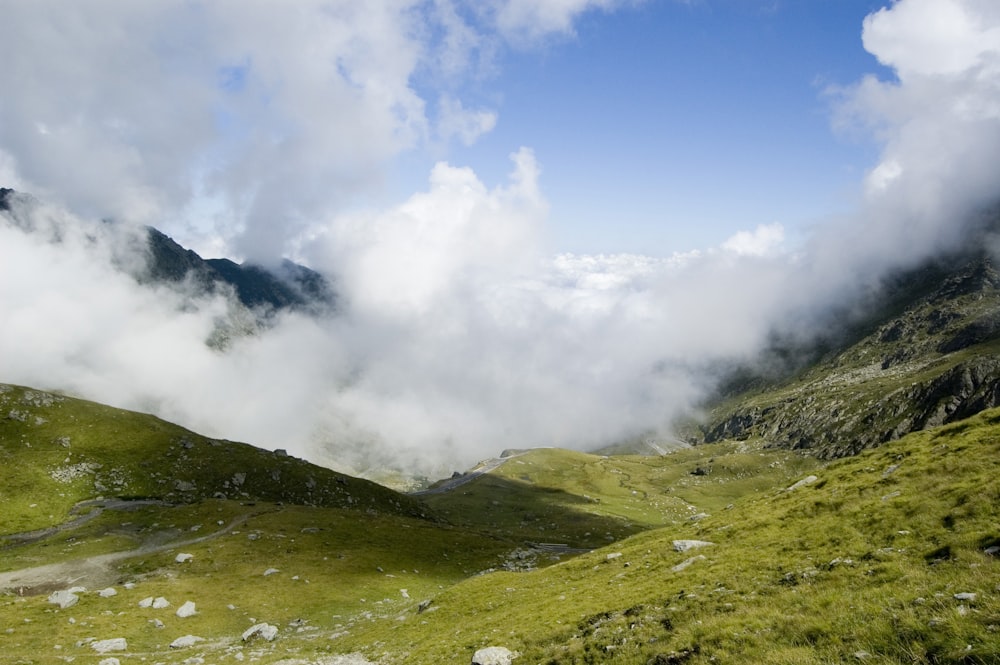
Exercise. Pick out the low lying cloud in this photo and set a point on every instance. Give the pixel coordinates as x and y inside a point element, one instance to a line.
<point>461,334</point>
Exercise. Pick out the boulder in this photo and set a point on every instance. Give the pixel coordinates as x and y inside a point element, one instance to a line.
<point>493,656</point>
<point>183,557</point>
<point>114,644</point>
<point>685,545</point>
<point>808,480</point>
<point>160,602</point>
<point>264,631</point>
<point>186,641</point>
<point>66,597</point>
<point>107,593</point>
<point>186,610</point>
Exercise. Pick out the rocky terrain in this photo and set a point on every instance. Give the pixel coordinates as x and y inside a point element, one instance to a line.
<point>925,356</point>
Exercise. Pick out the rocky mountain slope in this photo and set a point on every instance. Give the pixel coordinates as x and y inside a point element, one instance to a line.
<point>161,260</point>
<point>927,354</point>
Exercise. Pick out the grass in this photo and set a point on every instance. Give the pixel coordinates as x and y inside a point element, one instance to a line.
<point>862,565</point>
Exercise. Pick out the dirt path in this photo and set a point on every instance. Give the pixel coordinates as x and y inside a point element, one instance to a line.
<point>92,571</point>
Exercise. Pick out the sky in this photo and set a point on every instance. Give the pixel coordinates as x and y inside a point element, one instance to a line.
<point>549,222</point>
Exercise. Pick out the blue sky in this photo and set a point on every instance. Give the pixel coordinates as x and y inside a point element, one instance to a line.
<point>372,140</point>
<point>670,126</point>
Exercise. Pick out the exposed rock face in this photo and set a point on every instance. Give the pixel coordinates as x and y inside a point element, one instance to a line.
<point>265,631</point>
<point>930,362</point>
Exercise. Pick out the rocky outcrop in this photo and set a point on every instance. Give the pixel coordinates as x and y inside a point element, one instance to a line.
<point>929,361</point>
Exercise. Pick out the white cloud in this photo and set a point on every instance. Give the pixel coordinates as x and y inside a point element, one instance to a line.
<point>455,121</point>
<point>764,240</point>
<point>938,124</point>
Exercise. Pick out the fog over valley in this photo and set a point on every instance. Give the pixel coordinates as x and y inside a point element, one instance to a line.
<point>461,326</point>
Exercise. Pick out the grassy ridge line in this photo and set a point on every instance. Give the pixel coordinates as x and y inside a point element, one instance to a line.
<point>867,564</point>
<point>63,451</point>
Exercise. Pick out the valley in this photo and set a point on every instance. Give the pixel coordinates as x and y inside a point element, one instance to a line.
<point>730,550</point>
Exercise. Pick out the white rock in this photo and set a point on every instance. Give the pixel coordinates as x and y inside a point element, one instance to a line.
<point>263,630</point>
<point>971,597</point>
<point>183,557</point>
<point>114,644</point>
<point>160,602</point>
<point>64,598</point>
<point>405,594</point>
<point>146,602</point>
<point>613,555</point>
<point>687,562</point>
<point>107,593</point>
<point>109,661</point>
<point>271,571</point>
<point>493,656</point>
<point>156,623</point>
<point>808,480</point>
<point>186,610</point>
<point>186,641</point>
<point>685,545</point>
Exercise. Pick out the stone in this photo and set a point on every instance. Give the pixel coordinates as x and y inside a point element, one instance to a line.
<point>186,641</point>
<point>970,597</point>
<point>183,557</point>
<point>808,480</point>
<point>186,610</point>
<point>265,631</point>
<point>687,562</point>
<point>109,661</point>
<point>66,597</point>
<point>160,602</point>
<point>107,593</point>
<point>114,644</point>
<point>685,545</point>
<point>493,656</point>
<point>146,602</point>
<point>271,571</point>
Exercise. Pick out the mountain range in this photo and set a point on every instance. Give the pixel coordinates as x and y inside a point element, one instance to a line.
<point>835,501</point>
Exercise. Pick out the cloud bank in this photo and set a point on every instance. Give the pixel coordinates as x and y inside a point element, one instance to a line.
<point>461,335</point>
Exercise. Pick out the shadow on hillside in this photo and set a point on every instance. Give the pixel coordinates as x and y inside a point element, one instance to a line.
<point>526,512</point>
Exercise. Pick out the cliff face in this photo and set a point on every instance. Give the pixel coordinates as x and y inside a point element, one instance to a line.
<point>931,356</point>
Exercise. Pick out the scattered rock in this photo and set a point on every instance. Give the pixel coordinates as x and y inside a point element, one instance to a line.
<point>109,661</point>
<point>107,593</point>
<point>613,555</point>
<point>405,594</point>
<point>104,646</point>
<point>493,656</point>
<point>186,610</point>
<point>424,604</point>
<point>970,597</point>
<point>186,641</point>
<point>156,623</point>
<point>271,571</point>
<point>146,602</point>
<point>263,630</point>
<point>66,597</point>
<point>698,517</point>
<point>160,603</point>
<point>808,480</point>
<point>183,557</point>
<point>685,545</point>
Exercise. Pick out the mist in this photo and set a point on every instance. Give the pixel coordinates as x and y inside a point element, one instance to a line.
<point>460,332</point>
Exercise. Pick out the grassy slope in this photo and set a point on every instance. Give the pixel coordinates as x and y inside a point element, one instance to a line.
<point>841,567</point>
<point>867,560</point>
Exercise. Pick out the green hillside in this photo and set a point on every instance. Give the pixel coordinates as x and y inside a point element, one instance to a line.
<point>887,557</point>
